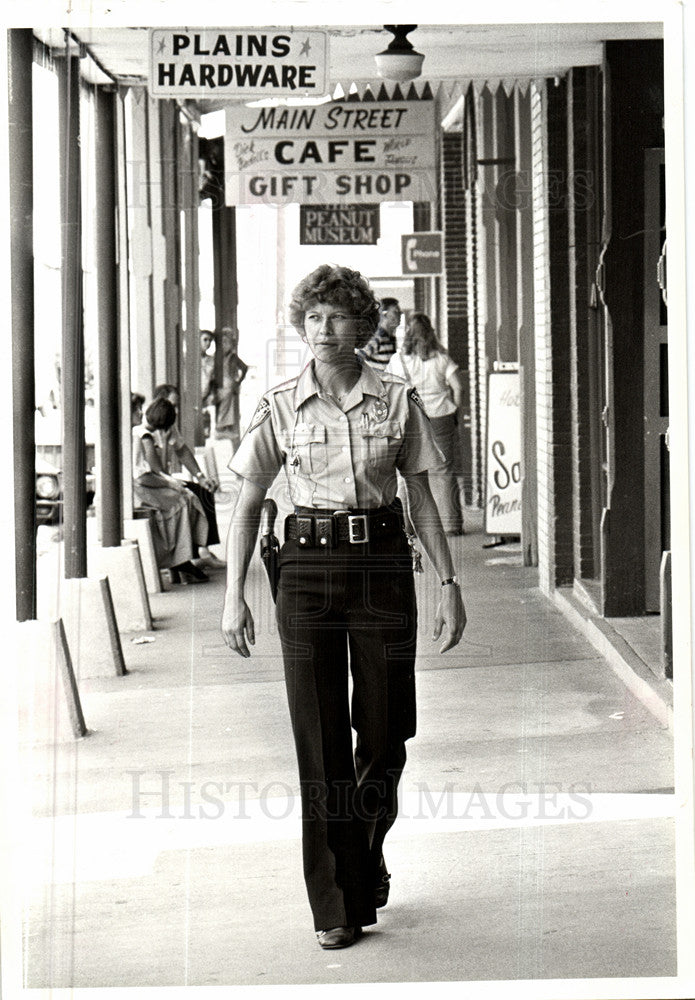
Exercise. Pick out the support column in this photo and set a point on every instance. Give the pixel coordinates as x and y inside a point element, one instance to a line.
<point>123,309</point>
<point>422,287</point>
<point>224,251</point>
<point>142,339</point>
<point>169,147</point>
<point>156,169</point>
<point>456,310</point>
<point>525,328</point>
<point>74,465</point>
<point>109,465</point>
<point>503,205</point>
<point>586,360</point>
<point>558,185</point>
<point>20,42</point>
<point>634,123</point>
<point>190,417</point>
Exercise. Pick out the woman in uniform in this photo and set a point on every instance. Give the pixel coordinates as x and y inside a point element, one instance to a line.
<point>345,597</point>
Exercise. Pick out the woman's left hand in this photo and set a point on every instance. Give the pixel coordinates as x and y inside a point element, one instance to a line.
<point>452,614</point>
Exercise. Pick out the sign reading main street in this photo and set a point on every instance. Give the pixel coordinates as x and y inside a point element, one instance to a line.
<point>244,62</point>
<point>334,153</point>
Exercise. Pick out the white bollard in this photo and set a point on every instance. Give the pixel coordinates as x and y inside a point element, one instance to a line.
<point>123,566</point>
<point>90,623</point>
<point>139,529</point>
<point>49,699</point>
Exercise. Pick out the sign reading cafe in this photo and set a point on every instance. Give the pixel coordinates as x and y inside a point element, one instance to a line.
<point>248,62</point>
<point>334,153</point>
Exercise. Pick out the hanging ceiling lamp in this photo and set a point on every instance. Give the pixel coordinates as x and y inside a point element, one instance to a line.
<point>400,61</point>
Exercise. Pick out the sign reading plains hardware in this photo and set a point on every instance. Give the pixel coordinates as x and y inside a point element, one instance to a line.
<point>246,62</point>
<point>334,153</point>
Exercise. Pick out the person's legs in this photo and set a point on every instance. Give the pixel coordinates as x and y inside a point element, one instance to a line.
<point>383,634</point>
<point>314,645</point>
<point>443,481</point>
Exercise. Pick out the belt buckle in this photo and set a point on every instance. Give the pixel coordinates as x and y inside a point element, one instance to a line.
<point>358,529</point>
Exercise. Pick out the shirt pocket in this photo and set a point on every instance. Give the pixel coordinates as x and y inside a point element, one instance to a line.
<point>307,443</point>
<point>382,441</point>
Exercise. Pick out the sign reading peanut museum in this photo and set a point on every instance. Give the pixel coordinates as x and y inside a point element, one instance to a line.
<point>349,225</point>
<point>334,153</point>
<point>239,62</point>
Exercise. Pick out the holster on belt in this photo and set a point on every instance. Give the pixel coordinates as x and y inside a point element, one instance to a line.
<point>270,546</point>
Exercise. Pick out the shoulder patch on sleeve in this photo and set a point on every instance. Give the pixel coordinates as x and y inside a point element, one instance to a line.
<point>412,393</point>
<point>262,412</point>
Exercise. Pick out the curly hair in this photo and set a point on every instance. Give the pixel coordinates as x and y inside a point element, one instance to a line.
<point>420,337</point>
<point>160,414</point>
<point>165,389</point>
<point>338,286</point>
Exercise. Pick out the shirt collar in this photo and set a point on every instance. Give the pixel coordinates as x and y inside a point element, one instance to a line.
<point>368,384</point>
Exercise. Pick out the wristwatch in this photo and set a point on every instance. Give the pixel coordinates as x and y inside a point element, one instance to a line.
<point>449,580</point>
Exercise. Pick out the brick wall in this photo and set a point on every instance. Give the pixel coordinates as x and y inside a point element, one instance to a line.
<point>551,320</point>
<point>455,238</point>
<point>587,389</point>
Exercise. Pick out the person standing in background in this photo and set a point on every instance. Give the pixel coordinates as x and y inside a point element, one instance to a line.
<point>425,364</point>
<point>233,374</point>
<point>381,347</point>
<point>208,383</point>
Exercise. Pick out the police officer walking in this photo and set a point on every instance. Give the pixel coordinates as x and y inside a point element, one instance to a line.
<point>346,598</point>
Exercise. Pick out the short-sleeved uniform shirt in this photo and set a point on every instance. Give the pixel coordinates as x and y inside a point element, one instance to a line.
<point>338,456</point>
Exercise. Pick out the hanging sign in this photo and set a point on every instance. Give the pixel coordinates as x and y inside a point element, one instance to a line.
<point>503,493</point>
<point>335,153</point>
<point>239,62</point>
<point>422,253</point>
<point>349,225</point>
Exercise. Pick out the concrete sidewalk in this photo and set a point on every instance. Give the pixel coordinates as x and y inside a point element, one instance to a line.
<point>164,848</point>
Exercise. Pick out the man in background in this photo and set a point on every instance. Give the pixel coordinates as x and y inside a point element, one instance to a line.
<point>381,347</point>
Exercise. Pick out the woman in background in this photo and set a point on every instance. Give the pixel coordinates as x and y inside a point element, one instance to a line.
<point>424,363</point>
<point>179,522</point>
<point>173,448</point>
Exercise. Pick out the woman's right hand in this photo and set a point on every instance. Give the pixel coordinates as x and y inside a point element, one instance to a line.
<point>237,626</point>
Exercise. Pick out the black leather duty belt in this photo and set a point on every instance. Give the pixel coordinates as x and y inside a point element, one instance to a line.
<point>329,528</point>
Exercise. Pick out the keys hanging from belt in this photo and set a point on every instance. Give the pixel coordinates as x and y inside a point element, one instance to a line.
<point>415,554</point>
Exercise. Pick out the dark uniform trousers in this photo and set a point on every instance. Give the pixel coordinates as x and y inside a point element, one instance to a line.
<point>348,607</point>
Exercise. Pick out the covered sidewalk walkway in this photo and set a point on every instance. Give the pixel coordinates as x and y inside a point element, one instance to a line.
<point>164,848</point>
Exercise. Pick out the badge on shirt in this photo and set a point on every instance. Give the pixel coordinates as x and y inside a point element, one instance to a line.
<point>262,411</point>
<point>412,393</point>
<point>380,410</point>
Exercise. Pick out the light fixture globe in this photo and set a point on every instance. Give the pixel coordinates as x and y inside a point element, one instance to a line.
<point>400,61</point>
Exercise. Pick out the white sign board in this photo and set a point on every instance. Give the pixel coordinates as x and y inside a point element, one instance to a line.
<point>237,62</point>
<point>503,455</point>
<point>334,153</point>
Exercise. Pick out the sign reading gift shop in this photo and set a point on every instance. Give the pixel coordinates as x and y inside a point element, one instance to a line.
<point>503,493</point>
<point>334,153</point>
<point>348,225</point>
<point>243,62</point>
